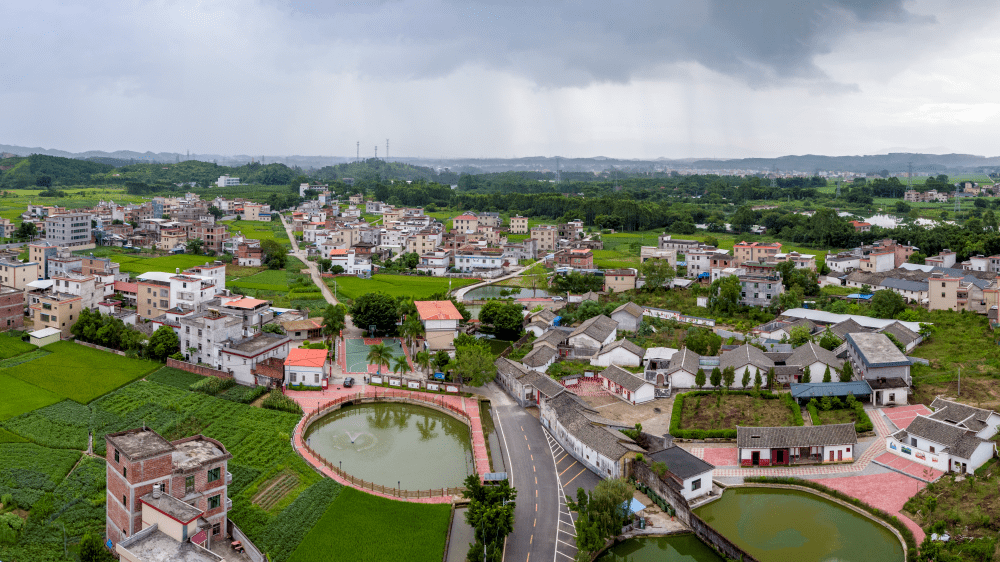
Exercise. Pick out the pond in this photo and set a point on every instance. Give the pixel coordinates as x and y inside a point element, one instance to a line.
<point>498,291</point>
<point>419,448</point>
<point>777,524</point>
<point>673,548</point>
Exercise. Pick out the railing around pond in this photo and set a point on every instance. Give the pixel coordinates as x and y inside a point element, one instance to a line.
<point>386,395</point>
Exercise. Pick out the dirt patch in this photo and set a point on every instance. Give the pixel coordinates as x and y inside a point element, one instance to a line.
<point>726,411</point>
<point>978,392</point>
<point>276,488</point>
<point>653,422</point>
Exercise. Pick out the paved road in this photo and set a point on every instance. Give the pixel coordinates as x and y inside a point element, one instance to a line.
<point>531,470</point>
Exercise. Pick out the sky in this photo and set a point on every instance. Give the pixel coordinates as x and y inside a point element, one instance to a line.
<point>480,78</point>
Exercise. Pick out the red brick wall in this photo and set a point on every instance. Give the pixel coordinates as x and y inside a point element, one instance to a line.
<point>11,311</point>
<point>197,369</point>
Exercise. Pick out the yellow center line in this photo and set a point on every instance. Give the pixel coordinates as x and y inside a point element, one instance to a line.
<point>529,446</point>
<point>531,539</point>
<point>525,437</point>
<point>532,457</point>
<point>533,469</point>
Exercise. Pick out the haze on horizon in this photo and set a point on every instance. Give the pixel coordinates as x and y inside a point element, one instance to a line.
<point>448,79</point>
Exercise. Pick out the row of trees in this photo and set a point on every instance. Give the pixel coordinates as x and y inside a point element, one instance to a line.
<point>108,331</point>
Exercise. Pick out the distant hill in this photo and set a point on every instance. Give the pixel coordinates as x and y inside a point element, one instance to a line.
<point>29,171</point>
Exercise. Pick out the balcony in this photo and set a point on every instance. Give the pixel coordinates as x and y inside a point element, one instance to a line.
<point>229,478</point>
<point>229,504</point>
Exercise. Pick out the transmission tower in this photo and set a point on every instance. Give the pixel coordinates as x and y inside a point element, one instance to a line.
<point>774,178</point>
<point>557,170</point>
<point>386,150</point>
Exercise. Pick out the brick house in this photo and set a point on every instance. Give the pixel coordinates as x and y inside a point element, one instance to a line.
<point>11,309</point>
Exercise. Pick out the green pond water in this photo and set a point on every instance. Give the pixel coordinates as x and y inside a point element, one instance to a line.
<point>674,548</point>
<point>418,447</point>
<point>788,525</point>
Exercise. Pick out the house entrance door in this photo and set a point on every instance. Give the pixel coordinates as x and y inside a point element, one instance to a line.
<point>780,458</point>
<point>756,459</point>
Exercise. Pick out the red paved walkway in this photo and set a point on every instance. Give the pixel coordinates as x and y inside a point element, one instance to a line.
<point>720,457</point>
<point>311,400</point>
<point>902,416</point>
<point>914,469</point>
<point>887,492</point>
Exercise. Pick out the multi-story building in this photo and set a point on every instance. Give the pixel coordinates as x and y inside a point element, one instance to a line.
<point>70,229</point>
<point>163,496</point>
<point>436,263</point>
<point>63,263</point>
<point>254,312</point>
<point>943,292</point>
<point>518,225</point>
<point>87,287</point>
<point>171,238</point>
<point>249,256</point>
<point>801,261</point>
<point>619,280</point>
<point>18,274</point>
<point>860,226</point>
<point>876,262</point>
<point>349,260</point>
<point>945,258</point>
<point>11,308</point>
<point>440,320</point>
<point>56,310</point>
<point>239,357</point>
<point>491,219</point>
<point>40,252</point>
<point>755,251</point>
<point>152,297</point>
<point>423,241</point>
<point>581,258</point>
<point>547,237</point>
<point>666,242</point>
<point>760,289</point>
<point>647,253</point>
<point>213,236</point>
<point>699,262</point>
<point>465,223</point>
<point>479,261</point>
<point>7,228</point>
<point>873,356</point>
<point>226,181</point>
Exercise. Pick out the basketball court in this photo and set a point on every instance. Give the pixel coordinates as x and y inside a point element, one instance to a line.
<point>357,354</point>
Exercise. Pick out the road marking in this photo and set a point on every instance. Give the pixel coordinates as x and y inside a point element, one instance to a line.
<point>536,492</point>
<point>532,457</point>
<point>564,554</point>
<point>529,444</point>
<point>584,469</point>
<point>534,522</point>
<point>567,468</point>
<point>531,539</point>
<point>563,457</point>
<point>510,475</point>
<point>536,508</point>
<point>522,429</point>
<point>525,437</point>
<point>567,532</point>
<point>533,469</point>
<point>566,543</point>
<point>536,480</point>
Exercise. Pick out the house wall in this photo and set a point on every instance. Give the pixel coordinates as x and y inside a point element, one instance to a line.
<point>626,321</point>
<point>991,427</point>
<point>899,396</point>
<point>311,376</point>
<point>936,461</point>
<point>618,356</point>
<point>705,479</point>
<point>942,293</point>
<point>682,379</point>
<point>603,466</point>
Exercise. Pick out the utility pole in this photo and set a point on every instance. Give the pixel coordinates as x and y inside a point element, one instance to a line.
<point>959,381</point>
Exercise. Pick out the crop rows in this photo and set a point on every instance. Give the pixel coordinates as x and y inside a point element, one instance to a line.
<point>27,470</point>
<point>286,531</point>
<point>61,426</point>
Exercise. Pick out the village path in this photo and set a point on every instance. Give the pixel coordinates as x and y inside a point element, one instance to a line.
<point>350,330</point>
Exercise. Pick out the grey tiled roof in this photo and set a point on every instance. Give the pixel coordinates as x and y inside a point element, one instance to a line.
<point>511,368</point>
<point>624,344</point>
<point>904,284</point>
<point>744,355</point>
<point>684,359</point>
<point>809,353</point>
<point>882,383</point>
<point>953,412</point>
<point>552,338</point>
<point>598,328</point>
<point>547,386</point>
<point>623,378</point>
<point>848,326</point>
<point>540,355</point>
<point>544,315</point>
<point>902,333</point>
<point>961,442</point>
<point>572,416</point>
<point>680,462</point>
<point>630,308</point>
<point>804,436</point>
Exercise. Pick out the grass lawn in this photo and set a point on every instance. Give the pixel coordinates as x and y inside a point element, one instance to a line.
<point>257,230</point>
<point>135,263</point>
<point>350,287</point>
<point>11,346</point>
<point>959,341</point>
<point>80,373</point>
<point>726,411</point>
<point>843,415</point>
<point>19,397</point>
<point>404,531</point>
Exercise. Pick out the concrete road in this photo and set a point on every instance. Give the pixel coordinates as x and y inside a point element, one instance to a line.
<point>531,470</point>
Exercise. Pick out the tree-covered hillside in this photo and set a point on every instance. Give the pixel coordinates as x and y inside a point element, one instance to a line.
<point>44,171</point>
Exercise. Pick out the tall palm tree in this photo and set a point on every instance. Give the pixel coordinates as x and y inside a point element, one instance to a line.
<point>411,329</point>
<point>423,360</point>
<point>380,355</point>
<point>399,365</point>
<point>334,321</point>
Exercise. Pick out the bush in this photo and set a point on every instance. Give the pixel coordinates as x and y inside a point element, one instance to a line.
<point>278,401</point>
<point>212,385</point>
<point>813,412</point>
<point>793,407</point>
<point>911,543</point>
<point>304,387</point>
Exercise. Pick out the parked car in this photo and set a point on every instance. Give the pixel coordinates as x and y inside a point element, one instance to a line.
<point>348,382</point>
<point>558,299</point>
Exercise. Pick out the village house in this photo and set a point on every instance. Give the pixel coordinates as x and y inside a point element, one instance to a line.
<point>576,258</point>
<point>540,357</point>
<point>751,252</point>
<point>593,334</point>
<point>782,446</point>
<point>874,356</point>
<point>440,320</point>
<point>527,386</point>
<point>465,223</point>
<point>249,256</point>
<point>166,500</point>
<point>690,476</point>
<point>307,367</point>
<point>620,280</point>
<point>239,357</point>
<point>518,225</point>
<point>303,329</point>
<point>745,358</point>
<point>984,422</point>
<point>815,359</point>
<point>941,445</point>
<point>628,316</point>
<point>437,263</point>
<point>647,253</point>
<point>593,441</point>
<point>804,392</point>
<point>626,386</point>
<point>546,236</point>
<point>11,308</point>
<point>620,352</point>
<point>760,289</point>
<point>18,274</point>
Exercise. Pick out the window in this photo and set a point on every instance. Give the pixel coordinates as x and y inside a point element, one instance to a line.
<point>696,484</point>
<point>213,502</point>
<point>116,456</point>
<point>213,474</point>
<point>124,500</point>
<point>932,448</point>
<point>913,441</point>
<point>216,529</point>
<point>189,484</point>
<point>124,472</point>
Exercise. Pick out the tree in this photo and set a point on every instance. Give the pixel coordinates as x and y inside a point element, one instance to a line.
<point>601,514</point>
<point>729,376</point>
<point>195,245</point>
<point>505,317</point>
<point>699,378</point>
<point>91,549</point>
<point>826,375</point>
<point>379,355</point>
<point>337,269</point>
<point>902,207</point>
<point>26,231</point>
<point>658,273</point>
<point>746,378</point>
<point>716,377</point>
<point>275,254</point>
<point>43,181</point>
<point>441,359</point>
<point>757,381</point>
<point>806,376</point>
<point>411,329</point>
<point>800,335</point>
<point>491,515</point>
<point>273,329</point>
<point>399,365</point>
<point>744,219</point>
<point>847,372</point>
<point>770,378</point>
<point>163,344</point>
<point>474,363</point>
<point>215,212</point>
<point>411,260</point>
<point>829,341</point>
<point>423,360</point>
<point>887,304</point>
<point>725,298</point>
<point>334,322</point>
<point>702,341</point>
<point>375,309</point>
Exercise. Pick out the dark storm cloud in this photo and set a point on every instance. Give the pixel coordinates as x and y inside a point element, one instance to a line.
<point>575,43</point>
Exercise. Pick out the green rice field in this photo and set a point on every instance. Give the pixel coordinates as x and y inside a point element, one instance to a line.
<point>350,287</point>
<point>259,230</point>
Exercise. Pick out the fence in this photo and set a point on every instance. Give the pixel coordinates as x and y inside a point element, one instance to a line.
<point>248,547</point>
<point>388,395</point>
<point>510,348</point>
<point>95,346</point>
<point>703,530</point>
<point>197,369</point>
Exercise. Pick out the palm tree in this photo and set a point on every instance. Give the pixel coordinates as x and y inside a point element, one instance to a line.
<point>423,360</point>
<point>399,365</point>
<point>333,322</point>
<point>380,355</point>
<point>411,329</point>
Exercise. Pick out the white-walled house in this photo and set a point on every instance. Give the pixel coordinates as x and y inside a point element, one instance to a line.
<point>983,422</point>
<point>593,441</point>
<point>348,259</point>
<point>874,356</point>
<point>241,356</point>
<point>815,359</point>
<point>782,446</point>
<point>744,358</point>
<point>941,445</point>
<point>692,475</point>
<point>593,334</point>
<point>306,366</point>
<point>620,352</point>
<point>540,357</point>
<point>628,316</point>
<point>440,320</point>
<point>627,386</point>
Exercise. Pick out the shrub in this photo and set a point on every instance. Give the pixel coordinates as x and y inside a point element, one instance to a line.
<point>813,412</point>
<point>793,407</point>
<point>278,401</point>
<point>212,385</point>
